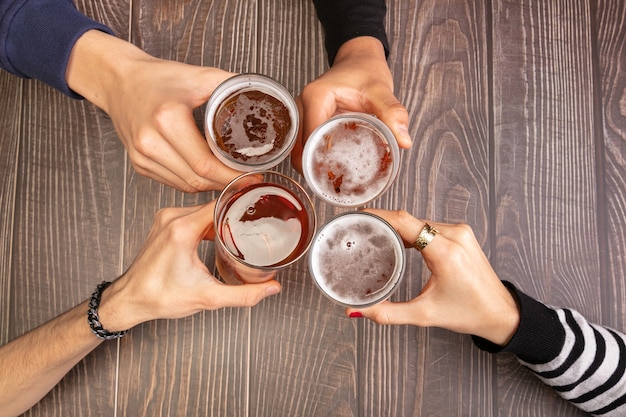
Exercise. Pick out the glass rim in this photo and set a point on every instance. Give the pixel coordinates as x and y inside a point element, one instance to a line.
<point>251,81</point>
<point>381,129</point>
<point>392,284</point>
<point>307,201</point>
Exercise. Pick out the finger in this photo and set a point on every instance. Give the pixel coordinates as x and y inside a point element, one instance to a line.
<point>160,174</point>
<point>153,156</point>
<point>210,233</point>
<point>316,109</point>
<point>200,219</point>
<point>194,161</point>
<point>387,313</point>
<point>408,226</point>
<point>391,112</point>
<point>296,152</point>
<point>246,295</point>
<point>189,224</point>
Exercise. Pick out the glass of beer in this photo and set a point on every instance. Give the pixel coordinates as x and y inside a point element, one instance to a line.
<point>251,122</point>
<point>357,259</point>
<point>264,222</point>
<point>351,159</point>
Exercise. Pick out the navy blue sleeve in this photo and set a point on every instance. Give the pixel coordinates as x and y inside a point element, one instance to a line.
<point>347,19</point>
<point>37,37</point>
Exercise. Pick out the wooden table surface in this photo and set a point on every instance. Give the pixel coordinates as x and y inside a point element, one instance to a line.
<point>518,113</point>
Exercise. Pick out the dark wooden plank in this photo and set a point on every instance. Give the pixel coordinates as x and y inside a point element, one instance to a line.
<point>67,227</point>
<point>545,183</point>
<point>302,346</point>
<point>199,365</point>
<point>115,14</point>
<point>439,61</point>
<point>611,88</point>
<point>69,196</point>
<point>10,116</point>
<point>525,123</point>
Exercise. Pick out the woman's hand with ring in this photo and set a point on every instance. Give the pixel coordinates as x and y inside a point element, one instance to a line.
<point>463,293</point>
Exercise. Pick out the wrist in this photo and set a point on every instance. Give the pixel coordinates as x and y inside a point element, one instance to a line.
<point>115,309</point>
<point>366,47</point>
<point>93,317</point>
<point>92,73</point>
<point>505,319</point>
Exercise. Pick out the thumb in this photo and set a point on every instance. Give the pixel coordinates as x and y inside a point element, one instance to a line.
<point>316,110</point>
<point>246,295</point>
<point>396,117</point>
<point>388,312</point>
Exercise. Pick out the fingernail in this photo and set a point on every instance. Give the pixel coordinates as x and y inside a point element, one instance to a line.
<point>404,131</point>
<point>272,290</point>
<point>355,315</point>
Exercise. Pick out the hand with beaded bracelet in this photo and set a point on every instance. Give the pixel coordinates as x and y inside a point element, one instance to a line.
<point>166,281</point>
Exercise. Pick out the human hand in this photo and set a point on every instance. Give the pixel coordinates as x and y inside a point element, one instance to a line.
<point>463,294</point>
<point>168,279</point>
<point>151,103</point>
<point>360,81</point>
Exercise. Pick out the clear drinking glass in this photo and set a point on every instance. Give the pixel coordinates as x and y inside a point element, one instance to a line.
<point>351,159</point>
<point>251,122</point>
<point>264,222</point>
<point>357,259</point>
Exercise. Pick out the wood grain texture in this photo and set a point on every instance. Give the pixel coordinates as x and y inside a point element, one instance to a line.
<point>611,107</point>
<point>67,228</point>
<point>302,347</point>
<point>197,366</point>
<point>545,182</point>
<point>439,60</point>
<point>11,107</point>
<point>518,114</point>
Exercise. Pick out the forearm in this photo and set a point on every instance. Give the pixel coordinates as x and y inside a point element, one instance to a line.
<point>37,36</point>
<point>35,362</point>
<point>93,74</point>
<point>584,362</point>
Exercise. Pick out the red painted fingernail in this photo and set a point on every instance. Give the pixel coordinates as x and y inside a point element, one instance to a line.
<point>355,315</point>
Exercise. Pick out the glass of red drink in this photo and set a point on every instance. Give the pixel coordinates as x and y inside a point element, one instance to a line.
<point>357,259</point>
<point>251,122</point>
<point>351,159</point>
<point>264,222</point>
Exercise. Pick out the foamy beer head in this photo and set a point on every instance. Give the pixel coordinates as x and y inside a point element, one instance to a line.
<point>351,159</point>
<point>357,259</point>
<point>251,122</point>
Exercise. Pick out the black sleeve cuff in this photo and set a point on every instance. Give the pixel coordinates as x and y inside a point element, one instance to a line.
<point>348,19</point>
<point>539,337</point>
<point>38,37</point>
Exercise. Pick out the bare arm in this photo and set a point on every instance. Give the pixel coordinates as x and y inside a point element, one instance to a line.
<point>54,347</point>
<point>167,280</point>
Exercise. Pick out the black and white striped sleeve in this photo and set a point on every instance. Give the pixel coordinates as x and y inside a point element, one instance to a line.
<point>585,363</point>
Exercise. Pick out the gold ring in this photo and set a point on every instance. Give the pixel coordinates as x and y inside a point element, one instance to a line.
<point>425,237</point>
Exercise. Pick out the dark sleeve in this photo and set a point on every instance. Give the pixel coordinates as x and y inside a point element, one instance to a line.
<point>540,335</point>
<point>37,36</point>
<point>347,19</point>
<point>585,363</point>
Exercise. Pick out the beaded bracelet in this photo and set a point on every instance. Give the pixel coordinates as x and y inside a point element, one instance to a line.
<point>94,320</point>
